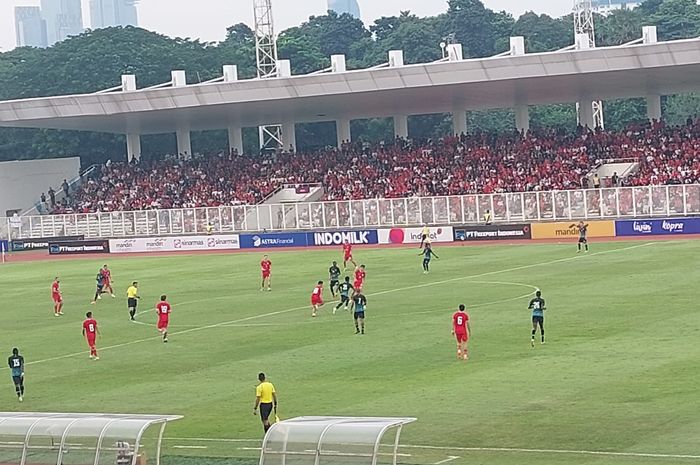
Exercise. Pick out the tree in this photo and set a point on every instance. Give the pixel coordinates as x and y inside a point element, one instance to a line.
<point>543,33</point>
<point>677,19</point>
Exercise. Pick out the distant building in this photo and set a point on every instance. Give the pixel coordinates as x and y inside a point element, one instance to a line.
<point>345,6</point>
<point>605,7</point>
<point>63,18</point>
<point>107,13</point>
<point>29,27</point>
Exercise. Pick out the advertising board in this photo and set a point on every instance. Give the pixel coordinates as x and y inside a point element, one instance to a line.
<point>413,235</point>
<point>365,237</point>
<point>78,247</point>
<point>175,244</point>
<point>265,241</point>
<point>40,242</point>
<point>665,226</point>
<point>495,232</point>
<point>568,229</point>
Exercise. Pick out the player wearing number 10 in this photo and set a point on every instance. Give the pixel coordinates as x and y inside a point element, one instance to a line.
<point>90,331</point>
<point>163,310</point>
<point>461,330</point>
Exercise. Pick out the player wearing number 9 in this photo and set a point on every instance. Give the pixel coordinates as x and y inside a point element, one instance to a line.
<point>90,332</point>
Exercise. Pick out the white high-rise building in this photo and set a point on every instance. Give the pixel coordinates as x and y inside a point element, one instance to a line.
<point>605,7</point>
<point>107,13</point>
<point>63,18</point>
<point>29,27</point>
<point>345,6</point>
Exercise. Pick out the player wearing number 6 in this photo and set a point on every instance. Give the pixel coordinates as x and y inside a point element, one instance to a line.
<point>90,332</point>
<point>163,310</point>
<point>461,330</point>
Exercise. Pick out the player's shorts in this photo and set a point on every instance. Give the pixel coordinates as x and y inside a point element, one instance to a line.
<point>100,287</point>
<point>357,285</point>
<point>163,323</point>
<point>423,237</point>
<point>347,257</point>
<point>265,411</point>
<point>131,303</point>
<point>344,299</point>
<point>582,240</point>
<point>334,283</point>
<point>265,274</point>
<point>107,282</point>
<point>360,315</point>
<point>57,298</point>
<point>461,337</point>
<point>18,379</point>
<point>316,301</point>
<point>538,320</point>
<point>91,340</point>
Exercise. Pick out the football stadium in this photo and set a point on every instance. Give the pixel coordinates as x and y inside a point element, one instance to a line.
<point>467,237</point>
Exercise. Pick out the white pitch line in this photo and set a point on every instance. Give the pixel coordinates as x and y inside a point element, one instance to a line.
<point>555,451</point>
<point>448,459</point>
<point>189,447</point>
<point>305,307</point>
<point>482,449</point>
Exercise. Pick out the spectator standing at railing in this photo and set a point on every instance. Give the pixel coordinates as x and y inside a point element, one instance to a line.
<point>52,197</point>
<point>66,188</point>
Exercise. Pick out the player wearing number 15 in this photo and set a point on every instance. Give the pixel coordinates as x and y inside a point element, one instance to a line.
<point>461,330</point>
<point>163,310</point>
<point>16,363</point>
<point>90,332</point>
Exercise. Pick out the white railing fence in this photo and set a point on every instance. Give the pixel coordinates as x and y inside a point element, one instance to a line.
<point>610,203</point>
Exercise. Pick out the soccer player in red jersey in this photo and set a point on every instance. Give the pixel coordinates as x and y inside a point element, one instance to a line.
<point>317,298</point>
<point>265,267</point>
<point>90,332</point>
<point>57,298</point>
<point>347,254</point>
<point>461,330</point>
<point>359,278</point>
<point>163,310</point>
<point>107,275</point>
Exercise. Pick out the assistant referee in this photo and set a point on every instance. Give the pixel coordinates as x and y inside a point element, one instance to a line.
<point>266,399</point>
<point>132,296</point>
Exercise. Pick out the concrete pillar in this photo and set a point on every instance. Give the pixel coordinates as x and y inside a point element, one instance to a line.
<point>517,46</point>
<point>235,139</point>
<point>522,118</point>
<point>178,78</point>
<point>401,126</point>
<point>454,52</point>
<point>338,64</point>
<point>342,127</point>
<point>133,147</point>
<point>654,107</point>
<point>128,82</point>
<point>585,114</point>
<point>649,35</point>
<point>184,144</point>
<point>459,122</point>
<point>395,58</point>
<point>230,73</point>
<point>284,68</point>
<point>289,136</point>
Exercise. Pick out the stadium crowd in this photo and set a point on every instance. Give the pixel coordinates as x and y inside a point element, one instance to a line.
<point>539,161</point>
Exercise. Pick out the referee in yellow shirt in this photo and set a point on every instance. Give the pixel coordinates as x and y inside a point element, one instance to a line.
<point>266,399</point>
<point>132,296</point>
<point>424,236</point>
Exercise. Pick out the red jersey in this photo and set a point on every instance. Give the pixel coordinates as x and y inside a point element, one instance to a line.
<point>54,288</point>
<point>317,293</point>
<point>347,249</point>
<point>107,275</point>
<point>163,309</point>
<point>360,275</point>
<point>459,322</point>
<point>266,266</point>
<point>90,327</point>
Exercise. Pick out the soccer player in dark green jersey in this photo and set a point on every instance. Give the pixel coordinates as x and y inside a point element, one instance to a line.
<point>334,276</point>
<point>538,307</point>
<point>344,291</point>
<point>427,254</point>
<point>582,235</point>
<point>16,364</point>
<point>359,303</point>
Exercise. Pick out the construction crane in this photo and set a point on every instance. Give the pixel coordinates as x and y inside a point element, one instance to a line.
<point>266,56</point>
<point>583,24</point>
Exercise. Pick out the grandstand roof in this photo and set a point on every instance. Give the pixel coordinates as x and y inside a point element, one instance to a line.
<point>497,82</point>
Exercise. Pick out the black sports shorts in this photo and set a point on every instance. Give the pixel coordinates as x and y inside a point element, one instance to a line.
<point>265,411</point>
<point>132,302</point>
<point>538,320</point>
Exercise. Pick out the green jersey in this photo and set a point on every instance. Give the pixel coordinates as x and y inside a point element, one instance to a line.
<point>16,363</point>
<point>334,273</point>
<point>345,288</point>
<point>537,306</point>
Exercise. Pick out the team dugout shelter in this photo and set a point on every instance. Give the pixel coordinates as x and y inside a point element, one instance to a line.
<point>321,440</point>
<point>81,438</point>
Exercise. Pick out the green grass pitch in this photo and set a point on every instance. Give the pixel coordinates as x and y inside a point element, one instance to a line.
<point>619,372</point>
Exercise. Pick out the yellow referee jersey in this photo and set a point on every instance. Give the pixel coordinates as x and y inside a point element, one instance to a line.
<point>265,390</point>
<point>132,292</point>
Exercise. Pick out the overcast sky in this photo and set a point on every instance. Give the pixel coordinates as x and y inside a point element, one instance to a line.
<point>208,19</point>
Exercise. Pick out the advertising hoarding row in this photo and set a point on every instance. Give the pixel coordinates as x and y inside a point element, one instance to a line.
<point>661,227</point>
<point>175,244</point>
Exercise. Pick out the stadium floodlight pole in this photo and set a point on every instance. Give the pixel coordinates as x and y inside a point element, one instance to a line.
<point>584,24</point>
<point>266,56</point>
